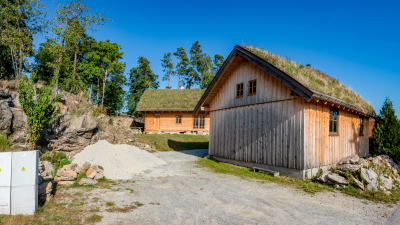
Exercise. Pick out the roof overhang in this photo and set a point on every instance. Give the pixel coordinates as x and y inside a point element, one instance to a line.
<point>283,77</point>
<point>238,51</point>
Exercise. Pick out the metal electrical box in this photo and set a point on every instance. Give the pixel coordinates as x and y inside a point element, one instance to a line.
<point>24,182</point>
<point>19,182</point>
<point>5,183</point>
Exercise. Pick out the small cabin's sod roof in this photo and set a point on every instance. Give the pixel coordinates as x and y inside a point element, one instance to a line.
<point>169,100</point>
<point>306,81</point>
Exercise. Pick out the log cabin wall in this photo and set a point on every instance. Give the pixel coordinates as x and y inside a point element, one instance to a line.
<point>324,149</point>
<point>264,128</point>
<point>167,122</point>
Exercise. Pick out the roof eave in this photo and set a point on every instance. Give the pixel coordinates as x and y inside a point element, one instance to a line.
<point>329,98</point>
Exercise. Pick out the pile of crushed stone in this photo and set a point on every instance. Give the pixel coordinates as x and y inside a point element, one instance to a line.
<point>118,161</point>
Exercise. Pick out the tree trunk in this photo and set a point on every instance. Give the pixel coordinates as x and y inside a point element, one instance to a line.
<point>104,88</point>
<point>76,50</point>
<point>168,79</point>
<point>98,88</point>
<point>90,93</point>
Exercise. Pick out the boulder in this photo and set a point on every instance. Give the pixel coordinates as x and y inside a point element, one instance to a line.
<point>386,183</point>
<point>98,168</point>
<point>66,183</point>
<point>47,170</point>
<point>78,169</point>
<point>368,176</point>
<point>373,185</point>
<point>45,188</point>
<point>324,176</point>
<point>65,175</point>
<point>86,165</point>
<point>99,175</point>
<point>91,173</point>
<point>87,181</point>
<point>341,173</point>
<point>358,183</point>
<point>6,117</point>
<point>337,179</point>
<point>75,132</point>
<point>353,159</point>
<point>70,167</point>
<point>349,167</point>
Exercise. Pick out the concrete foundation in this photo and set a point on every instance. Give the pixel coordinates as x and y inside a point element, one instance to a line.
<point>295,173</point>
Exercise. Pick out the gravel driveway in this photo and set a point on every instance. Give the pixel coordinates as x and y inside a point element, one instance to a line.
<point>182,193</point>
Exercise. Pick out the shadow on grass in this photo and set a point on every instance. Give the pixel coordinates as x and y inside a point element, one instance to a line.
<point>180,145</point>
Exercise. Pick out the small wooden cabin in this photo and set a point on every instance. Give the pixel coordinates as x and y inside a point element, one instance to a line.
<point>171,111</point>
<point>262,116</point>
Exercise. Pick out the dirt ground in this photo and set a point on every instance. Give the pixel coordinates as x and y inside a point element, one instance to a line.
<point>182,193</point>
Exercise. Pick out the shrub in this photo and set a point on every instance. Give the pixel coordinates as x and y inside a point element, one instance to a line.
<point>4,144</point>
<point>386,133</point>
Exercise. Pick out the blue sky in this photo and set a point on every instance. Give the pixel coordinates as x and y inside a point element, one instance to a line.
<point>356,42</point>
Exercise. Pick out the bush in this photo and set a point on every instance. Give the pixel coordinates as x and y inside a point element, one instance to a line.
<point>386,133</point>
<point>58,159</point>
<point>4,144</point>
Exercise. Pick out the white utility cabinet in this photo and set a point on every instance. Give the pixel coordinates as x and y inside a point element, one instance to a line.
<point>24,182</point>
<point>5,182</point>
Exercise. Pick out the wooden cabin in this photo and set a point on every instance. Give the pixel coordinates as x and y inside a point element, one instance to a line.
<point>263,117</point>
<point>171,111</point>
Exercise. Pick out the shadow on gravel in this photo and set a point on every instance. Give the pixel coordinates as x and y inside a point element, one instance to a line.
<point>195,152</point>
<point>395,218</point>
<point>180,145</point>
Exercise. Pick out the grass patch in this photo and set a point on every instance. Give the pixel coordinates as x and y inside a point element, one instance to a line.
<point>4,144</point>
<point>305,185</point>
<point>53,213</point>
<point>312,78</point>
<point>93,218</point>
<point>110,203</point>
<point>174,142</point>
<point>170,99</point>
<point>138,204</point>
<point>125,209</point>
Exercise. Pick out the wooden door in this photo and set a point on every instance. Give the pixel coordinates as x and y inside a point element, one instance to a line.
<point>157,123</point>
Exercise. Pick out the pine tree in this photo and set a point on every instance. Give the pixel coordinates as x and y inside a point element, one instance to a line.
<point>218,61</point>
<point>386,133</point>
<point>141,78</point>
<point>166,62</point>
<point>114,93</point>
<point>195,62</point>
<point>181,66</point>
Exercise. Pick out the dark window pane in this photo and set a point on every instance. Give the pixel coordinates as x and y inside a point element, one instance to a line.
<point>334,126</point>
<point>254,89</point>
<point>241,86</point>
<point>237,93</point>
<point>238,87</point>
<point>251,85</point>
<point>255,83</point>
<point>330,126</point>
<point>335,116</point>
<point>241,92</point>
<point>331,115</point>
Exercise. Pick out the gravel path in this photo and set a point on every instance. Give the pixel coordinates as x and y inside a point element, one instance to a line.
<point>181,193</point>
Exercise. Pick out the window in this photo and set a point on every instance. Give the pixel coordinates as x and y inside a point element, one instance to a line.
<point>333,120</point>
<point>198,124</point>
<point>360,126</point>
<point>252,87</point>
<point>239,90</point>
<point>178,119</point>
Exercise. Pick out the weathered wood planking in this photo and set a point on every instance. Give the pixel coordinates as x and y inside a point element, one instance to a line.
<point>328,149</point>
<point>275,128</point>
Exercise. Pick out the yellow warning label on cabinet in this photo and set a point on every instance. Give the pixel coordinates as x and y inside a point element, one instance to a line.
<point>23,168</point>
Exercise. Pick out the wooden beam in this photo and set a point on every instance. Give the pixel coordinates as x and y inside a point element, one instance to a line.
<point>317,100</point>
<point>205,108</point>
<point>326,103</point>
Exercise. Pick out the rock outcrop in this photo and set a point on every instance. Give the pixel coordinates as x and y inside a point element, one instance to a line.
<point>379,173</point>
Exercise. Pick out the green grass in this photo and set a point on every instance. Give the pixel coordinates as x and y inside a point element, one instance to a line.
<point>4,144</point>
<point>312,78</point>
<point>305,185</point>
<point>170,99</point>
<point>174,142</point>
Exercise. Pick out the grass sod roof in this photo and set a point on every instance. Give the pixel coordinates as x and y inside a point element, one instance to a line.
<point>312,78</point>
<point>169,99</point>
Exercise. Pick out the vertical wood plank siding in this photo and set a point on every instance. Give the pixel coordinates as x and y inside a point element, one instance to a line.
<point>274,128</point>
<point>324,149</point>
